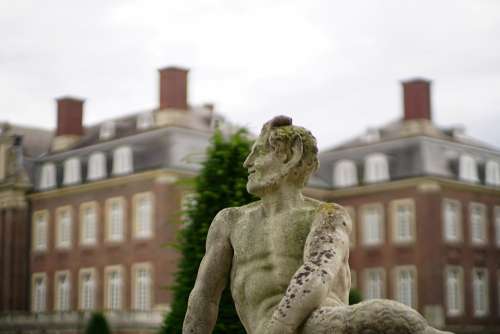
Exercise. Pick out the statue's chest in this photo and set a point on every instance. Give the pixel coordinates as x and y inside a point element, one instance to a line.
<point>282,235</point>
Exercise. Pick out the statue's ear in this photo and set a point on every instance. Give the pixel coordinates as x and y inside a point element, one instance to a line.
<point>295,153</point>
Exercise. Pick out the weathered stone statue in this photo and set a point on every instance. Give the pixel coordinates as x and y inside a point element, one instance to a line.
<point>286,256</point>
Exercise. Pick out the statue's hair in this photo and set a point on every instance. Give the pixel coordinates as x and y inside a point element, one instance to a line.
<point>280,134</point>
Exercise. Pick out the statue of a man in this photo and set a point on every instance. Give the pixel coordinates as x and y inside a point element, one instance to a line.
<point>286,256</point>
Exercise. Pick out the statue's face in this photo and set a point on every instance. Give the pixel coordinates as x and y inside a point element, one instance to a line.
<point>264,169</point>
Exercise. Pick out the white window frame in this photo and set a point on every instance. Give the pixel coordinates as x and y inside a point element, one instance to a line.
<point>345,174</point>
<point>142,300</point>
<point>448,226</point>
<point>62,294</point>
<point>410,272</point>
<point>467,169</point>
<point>398,237</point>
<point>114,290</point>
<point>107,130</point>
<point>87,293</point>
<point>116,220</point>
<point>476,295</point>
<point>143,220</point>
<point>88,228</point>
<point>39,296</point>
<point>72,171</point>
<point>61,241</point>
<point>369,288</point>
<point>376,168</point>
<point>123,161</point>
<point>145,121</point>
<point>47,176</point>
<point>458,287</point>
<point>96,166</point>
<point>478,224</point>
<point>368,229</point>
<point>492,171</point>
<point>40,230</point>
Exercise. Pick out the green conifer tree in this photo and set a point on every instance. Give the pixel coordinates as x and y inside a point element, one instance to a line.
<point>97,324</point>
<point>220,184</point>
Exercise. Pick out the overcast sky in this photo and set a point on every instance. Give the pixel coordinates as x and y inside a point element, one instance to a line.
<point>334,66</point>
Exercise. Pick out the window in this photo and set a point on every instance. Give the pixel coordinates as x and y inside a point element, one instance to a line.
<point>96,166</point>
<point>72,172</point>
<point>374,283</point>
<point>122,160</point>
<point>352,237</point>
<point>87,289</point>
<point>88,223</point>
<point>143,215</point>
<point>376,168</point>
<point>406,288</point>
<point>372,225</point>
<point>403,220</point>
<point>107,130</point>
<point>114,288</point>
<point>354,280</point>
<point>480,300</point>
<point>467,169</point>
<point>497,226</point>
<point>492,173</point>
<point>345,174</point>
<point>40,230</point>
<point>454,291</point>
<point>39,292</point>
<point>452,220</point>
<point>477,223</point>
<point>48,176</point>
<point>142,289</point>
<point>498,291</point>
<point>63,230</point>
<point>62,291</point>
<point>145,120</point>
<point>115,217</point>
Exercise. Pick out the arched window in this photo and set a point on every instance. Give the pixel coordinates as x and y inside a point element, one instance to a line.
<point>122,160</point>
<point>376,168</point>
<point>145,120</point>
<point>492,173</point>
<point>107,130</point>
<point>96,166</point>
<point>48,176</point>
<point>467,169</point>
<point>345,174</point>
<point>72,171</point>
<point>480,297</point>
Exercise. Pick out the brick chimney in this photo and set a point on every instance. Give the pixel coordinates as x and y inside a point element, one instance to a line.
<point>69,116</point>
<point>173,88</point>
<point>417,99</point>
<point>69,122</point>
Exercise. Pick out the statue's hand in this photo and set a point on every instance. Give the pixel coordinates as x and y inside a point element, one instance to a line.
<point>276,327</point>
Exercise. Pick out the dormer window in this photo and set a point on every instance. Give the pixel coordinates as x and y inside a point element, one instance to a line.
<point>72,171</point>
<point>376,168</point>
<point>345,174</point>
<point>48,176</point>
<point>145,121</point>
<point>493,173</point>
<point>96,166</point>
<point>467,169</point>
<point>107,130</point>
<point>122,160</point>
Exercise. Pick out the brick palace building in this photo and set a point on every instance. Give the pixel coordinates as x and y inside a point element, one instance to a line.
<point>86,212</point>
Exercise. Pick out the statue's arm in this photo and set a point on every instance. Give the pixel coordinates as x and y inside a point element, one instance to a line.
<point>203,304</point>
<point>326,249</point>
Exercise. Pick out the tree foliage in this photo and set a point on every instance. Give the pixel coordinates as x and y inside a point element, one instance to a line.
<point>220,184</point>
<point>97,324</point>
<point>354,296</point>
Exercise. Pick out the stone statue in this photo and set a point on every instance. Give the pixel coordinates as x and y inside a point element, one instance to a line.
<point>286,256</point>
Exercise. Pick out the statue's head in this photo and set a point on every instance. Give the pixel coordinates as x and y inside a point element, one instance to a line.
<point>282,153</point>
